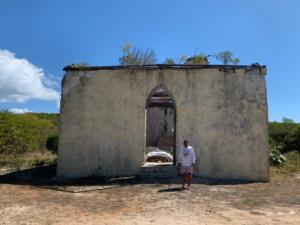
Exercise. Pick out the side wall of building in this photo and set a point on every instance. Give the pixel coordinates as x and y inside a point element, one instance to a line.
<point>224,116</point>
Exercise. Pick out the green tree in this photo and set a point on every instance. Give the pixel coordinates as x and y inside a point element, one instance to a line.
<point>136,56</point>
<point>285,134</point>
<point>226,58</point>
<point>169,61</point>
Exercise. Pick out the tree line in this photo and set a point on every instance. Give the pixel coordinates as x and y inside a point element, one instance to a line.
<point>284,136</point>
<point>34,131</point>
<point>20,133</point>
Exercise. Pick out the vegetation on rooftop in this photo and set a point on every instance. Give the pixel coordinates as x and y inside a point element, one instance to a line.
<point>83,65</point>
<point>136,55</point>
<point>226,57</point>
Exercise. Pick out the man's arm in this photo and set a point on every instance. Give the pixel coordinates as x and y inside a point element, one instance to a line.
<point>179,158</point>
<point>193,157</point>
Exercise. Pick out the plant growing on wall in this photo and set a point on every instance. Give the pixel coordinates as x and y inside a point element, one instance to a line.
<point>169,61</point>
<point>83,65</point>
<point>199,59</point>
<point>136,56</point>
<point>181,59</point>
<point>226,58</point>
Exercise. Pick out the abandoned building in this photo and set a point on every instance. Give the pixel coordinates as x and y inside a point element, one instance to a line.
<point>110,116</point>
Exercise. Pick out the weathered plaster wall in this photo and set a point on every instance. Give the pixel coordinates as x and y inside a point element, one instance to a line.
<point>225,118</point>
<point>155,117</point>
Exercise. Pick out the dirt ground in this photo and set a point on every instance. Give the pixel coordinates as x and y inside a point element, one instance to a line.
<point>35,196</point>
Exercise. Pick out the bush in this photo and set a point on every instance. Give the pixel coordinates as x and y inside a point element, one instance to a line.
<point>276,158</point>
<point>52,143</point>
<point>285,134</point>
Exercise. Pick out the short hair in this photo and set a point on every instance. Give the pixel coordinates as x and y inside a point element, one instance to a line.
<point>185,141</point>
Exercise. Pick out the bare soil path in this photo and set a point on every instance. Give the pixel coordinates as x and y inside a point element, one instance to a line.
<point>37,197</point>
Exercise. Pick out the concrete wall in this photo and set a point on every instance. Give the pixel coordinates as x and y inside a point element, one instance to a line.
<point>223,115</point>
<point>155,117</point>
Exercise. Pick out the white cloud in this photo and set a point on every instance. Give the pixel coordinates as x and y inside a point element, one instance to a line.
<point>49,82</point>
<point>53,77</point>
<point>21,81</point>
<point>19,111</point>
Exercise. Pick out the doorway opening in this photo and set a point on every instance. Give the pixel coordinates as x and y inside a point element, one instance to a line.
<point>160,127</point>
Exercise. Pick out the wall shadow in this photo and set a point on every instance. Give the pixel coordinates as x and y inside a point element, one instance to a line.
<point>45,177</point>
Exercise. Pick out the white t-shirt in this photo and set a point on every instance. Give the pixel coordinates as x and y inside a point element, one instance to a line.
<point>186,156</point>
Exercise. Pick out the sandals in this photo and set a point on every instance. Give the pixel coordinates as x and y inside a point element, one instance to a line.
<point>187,187</point>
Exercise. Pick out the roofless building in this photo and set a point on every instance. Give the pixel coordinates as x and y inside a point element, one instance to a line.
<point>109,115</point>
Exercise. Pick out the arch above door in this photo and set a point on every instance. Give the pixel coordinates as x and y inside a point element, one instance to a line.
<point>167,93</point>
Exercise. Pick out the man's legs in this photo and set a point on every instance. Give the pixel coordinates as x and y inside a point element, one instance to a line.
<point>183,179</point>
<point>189,178</point>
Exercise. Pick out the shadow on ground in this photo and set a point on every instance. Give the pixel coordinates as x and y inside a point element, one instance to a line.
<point>45,177</point>
<point>171,190</point>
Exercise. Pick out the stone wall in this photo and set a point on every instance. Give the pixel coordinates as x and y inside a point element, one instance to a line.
<point>223,115</point>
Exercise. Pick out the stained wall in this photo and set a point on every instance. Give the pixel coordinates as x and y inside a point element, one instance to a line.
<point>223,115</point>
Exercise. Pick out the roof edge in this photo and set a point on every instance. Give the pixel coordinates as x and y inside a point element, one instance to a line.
<point>159,66</point>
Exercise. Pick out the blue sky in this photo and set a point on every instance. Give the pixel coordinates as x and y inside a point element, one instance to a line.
<point>39,38</point>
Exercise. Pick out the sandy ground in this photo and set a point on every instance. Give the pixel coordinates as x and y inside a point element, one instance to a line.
<point>37,197</point>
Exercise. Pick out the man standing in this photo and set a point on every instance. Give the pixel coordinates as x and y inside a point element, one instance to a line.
<point>186,160</point>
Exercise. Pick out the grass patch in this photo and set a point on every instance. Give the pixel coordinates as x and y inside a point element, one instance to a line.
<point>19,161</point>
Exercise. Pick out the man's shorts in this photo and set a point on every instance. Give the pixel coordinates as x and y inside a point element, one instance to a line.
<point>186,169</point>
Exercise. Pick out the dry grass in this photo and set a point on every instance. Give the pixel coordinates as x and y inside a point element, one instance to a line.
<point>290,168</point>
<point>17,162</point>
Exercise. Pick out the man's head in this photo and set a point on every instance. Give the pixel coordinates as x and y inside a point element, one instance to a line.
<point>186,143</point>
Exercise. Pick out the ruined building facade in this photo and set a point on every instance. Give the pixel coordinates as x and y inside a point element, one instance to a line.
<point>222,111</point>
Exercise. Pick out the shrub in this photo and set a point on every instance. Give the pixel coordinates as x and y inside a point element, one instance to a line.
<point>52,143</point>
<point>276,158</point>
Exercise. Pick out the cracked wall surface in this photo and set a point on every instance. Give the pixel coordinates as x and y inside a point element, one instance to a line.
<point>224,117</point>
<point>255,85</point>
